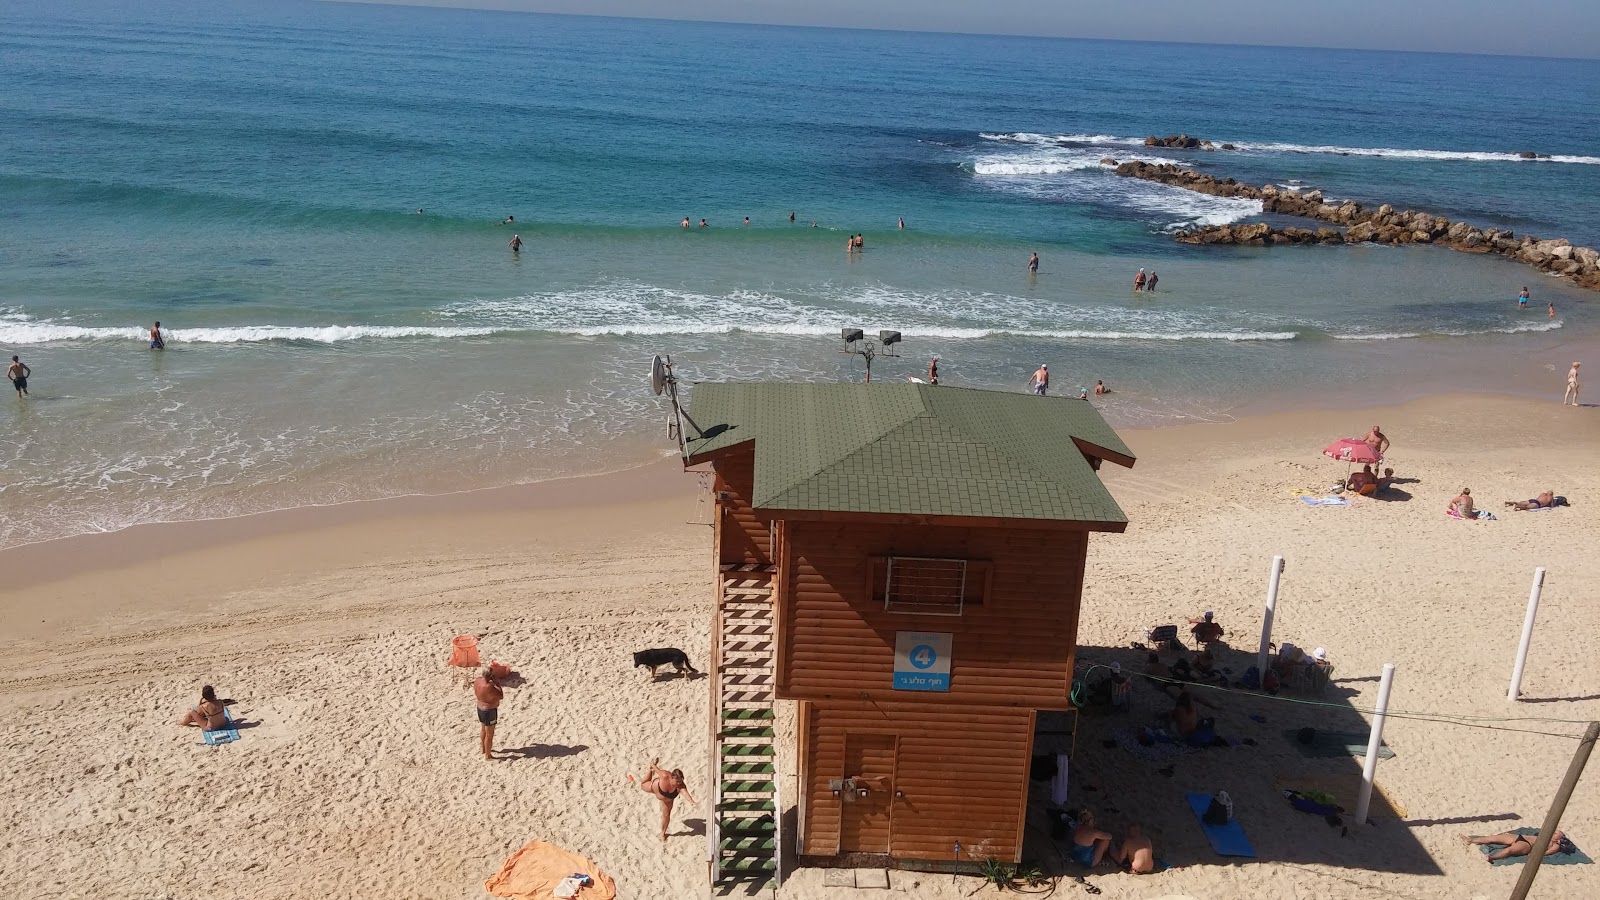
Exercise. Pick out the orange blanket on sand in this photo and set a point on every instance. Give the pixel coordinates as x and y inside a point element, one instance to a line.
<point>533,872</point>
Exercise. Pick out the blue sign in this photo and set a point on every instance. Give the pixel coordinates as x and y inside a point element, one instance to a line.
<point>921,661</point>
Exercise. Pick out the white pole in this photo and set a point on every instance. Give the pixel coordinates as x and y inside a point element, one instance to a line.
<point>1527,634</point>
<point>1266,618</point>
<point>1374,743</point>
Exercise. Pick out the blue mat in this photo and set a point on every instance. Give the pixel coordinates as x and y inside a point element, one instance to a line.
<point>1575,858</point>
<point>1226,840</point>
<point>221,735</point>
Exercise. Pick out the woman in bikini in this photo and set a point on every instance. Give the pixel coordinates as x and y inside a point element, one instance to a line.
<point>1517,844</point>
<point>664,786</point>
<point>210,714</point>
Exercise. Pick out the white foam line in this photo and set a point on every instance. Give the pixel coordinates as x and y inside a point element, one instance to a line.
<point>1025,137</point>
<point>1407,335</point>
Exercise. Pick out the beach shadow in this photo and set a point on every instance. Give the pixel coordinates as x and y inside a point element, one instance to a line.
<point>1392,495</point>
<point>1559,699</point>
<point>513,680</point>
<point>1355,678</point>
<point>691,828</point>
<point>1463,820</point>
<point>541,751</point>
<point>676,676</point>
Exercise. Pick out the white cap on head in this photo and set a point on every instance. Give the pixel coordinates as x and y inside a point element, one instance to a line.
<point>1043,366</point>
<point>1320,654</point>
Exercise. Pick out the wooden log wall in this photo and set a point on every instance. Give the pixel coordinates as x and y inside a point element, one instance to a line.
<point>963,772</point>
<point>1013,649</point>
<point>743,533</point>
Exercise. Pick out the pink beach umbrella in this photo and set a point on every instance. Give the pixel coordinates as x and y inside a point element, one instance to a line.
<point>1352,450</point>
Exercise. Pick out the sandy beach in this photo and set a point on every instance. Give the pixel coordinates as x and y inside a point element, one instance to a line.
<point>357,776</point>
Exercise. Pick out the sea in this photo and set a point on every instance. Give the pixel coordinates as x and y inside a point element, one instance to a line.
<point>312,200</point>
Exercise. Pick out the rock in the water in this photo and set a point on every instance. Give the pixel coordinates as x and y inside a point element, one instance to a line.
<point>1528,154</point>
<point>1108,161</point>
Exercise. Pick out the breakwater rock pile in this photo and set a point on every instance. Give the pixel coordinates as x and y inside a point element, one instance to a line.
<point>1359,224</point>
<point>1184,142</point>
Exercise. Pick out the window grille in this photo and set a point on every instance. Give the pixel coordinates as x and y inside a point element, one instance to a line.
<point>930,587</point>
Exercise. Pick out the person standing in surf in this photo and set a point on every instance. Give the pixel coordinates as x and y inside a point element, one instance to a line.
<point>1040,382</point>
<point>18,372</point>
<point>1138,282</point>
<point>156,341</point>
<point>933,370</point>
<point>1033,264</point>
<point>516,243</point>
<point>1522,298</point>
<point>1150,283</point>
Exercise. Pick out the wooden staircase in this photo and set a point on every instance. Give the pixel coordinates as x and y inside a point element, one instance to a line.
<point>744,834</point>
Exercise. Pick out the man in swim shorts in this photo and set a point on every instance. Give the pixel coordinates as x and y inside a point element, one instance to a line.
<point>516,243</point>
<point>156,343</point>
<point>1033,264</point>
<point>489,694</point>
<point>18,372</point>
<point>1040,382</point>
<point>1522,299</point>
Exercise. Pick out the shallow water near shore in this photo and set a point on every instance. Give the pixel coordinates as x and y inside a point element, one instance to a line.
<point>250,178</point>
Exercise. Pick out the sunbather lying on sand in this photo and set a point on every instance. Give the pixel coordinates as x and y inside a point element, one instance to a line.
<point>1517,844</point>
<point>1543,501</point>
<point>209,714</point>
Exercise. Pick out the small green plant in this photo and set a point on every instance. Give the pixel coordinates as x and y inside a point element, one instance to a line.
<point>997,873</point>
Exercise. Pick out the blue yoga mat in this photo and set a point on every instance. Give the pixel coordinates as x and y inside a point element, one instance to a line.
<point>223,735</point>
<point>1226,840</point>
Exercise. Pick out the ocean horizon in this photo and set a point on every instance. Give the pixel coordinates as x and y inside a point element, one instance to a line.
<point>251,177</point>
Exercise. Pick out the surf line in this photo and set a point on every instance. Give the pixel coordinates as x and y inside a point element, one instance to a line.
<point>1382,225</point>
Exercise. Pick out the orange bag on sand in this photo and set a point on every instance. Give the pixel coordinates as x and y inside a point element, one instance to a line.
<point>500,670</point>
<point>464,651</point>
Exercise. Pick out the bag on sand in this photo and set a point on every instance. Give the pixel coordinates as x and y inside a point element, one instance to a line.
<point>1220,812</point>
<point>1251,680</point>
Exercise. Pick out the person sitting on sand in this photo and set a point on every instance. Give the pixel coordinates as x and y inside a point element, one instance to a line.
<point>1462,505</point>
<point>1205,667</point>
<point>664,786</point>
<point>1136,853</point>
<point>1288,660</point>
<point>1089,843</point>
<point>1100,388</point>
<point>1363,482</point>
<point>209,715</point>
<point>1386,480</point>
<point>1186,720</point>
<point>1205,630</point>
<point>1377,440</point>
<point>1518,844</point>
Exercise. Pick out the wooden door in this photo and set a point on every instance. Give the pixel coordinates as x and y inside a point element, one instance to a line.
<point>864,822</point>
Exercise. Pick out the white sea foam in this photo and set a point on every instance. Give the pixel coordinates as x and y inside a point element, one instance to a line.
<point>1527,328</point>
<point>1108,140</point>
<point>992,166</point>
<point>21,333</point>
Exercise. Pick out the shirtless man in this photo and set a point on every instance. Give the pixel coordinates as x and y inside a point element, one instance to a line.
<point>1136,854</point>
<point>156,341</point>
<point>1138,282</point>
<point>1150,283</point>
<point>685,221</point>
<point>209,715</point>
<point>1205,630</point>
<point>18,372</point>
<point>1033,264</point>
<point>1089,844</point>
<point>487,690</point>
<point>509,220</point>
<point>1543,501</point>
<point>1462,504</point>
<point>1100,388</point>
<point>1572,386</point>
<point>1040,382</point>
<point>1377,440</point>
<point>516,243</point>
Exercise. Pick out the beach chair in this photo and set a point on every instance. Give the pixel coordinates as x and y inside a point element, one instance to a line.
<point>1122,695</point>
<point>1164,637</point>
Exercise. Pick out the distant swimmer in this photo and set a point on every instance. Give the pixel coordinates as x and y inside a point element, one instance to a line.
<point>686,221</point>
<point>1100,388</point>
<point>1522,299</point>
<point>702,223</point>
<point>791,215</point>
<point>1150,283</point>
<point>1033,264</point>
<point>516,243</point>
<point>861,242</point>
<point>1552,310</point>
<point>1040,382</point>
<point>850,244</point>
<point>18,372</point>
<point>902,223</point>
<point>747,221</point>
<point>933,370</point>
<point>156,341</point>
<point>509,220</point>
<point>1138,281</point>
<point>419,212</point>
<point>813,223</point>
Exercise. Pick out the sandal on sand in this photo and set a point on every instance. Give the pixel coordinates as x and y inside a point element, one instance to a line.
<point>1086,885</point>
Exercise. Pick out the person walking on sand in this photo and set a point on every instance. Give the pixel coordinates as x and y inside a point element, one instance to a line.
<point>18,372</point>
<point>1522,298</point>
<point>1138,282</point>
<point>488,692</point>
<point>664,786</point>
<point>1033,264</point>
<point>156,341</point>
<point>1572,385</point>
<point>1040,382</point>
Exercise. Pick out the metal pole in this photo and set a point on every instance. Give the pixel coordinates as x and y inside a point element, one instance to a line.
<point>1374,742</point>
<point>1266,619</point>
<point>1553,817</point>
<point>1527,634</point>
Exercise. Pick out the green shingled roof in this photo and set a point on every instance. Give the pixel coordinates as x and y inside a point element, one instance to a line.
<point>910,448</point>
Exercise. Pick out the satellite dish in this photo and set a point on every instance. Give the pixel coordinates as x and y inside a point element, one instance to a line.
<point>658,375</point>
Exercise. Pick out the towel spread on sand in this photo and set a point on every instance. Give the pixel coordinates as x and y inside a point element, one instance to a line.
<point>221,735</point>
<point>1324,501</point>
<point>533,872</point>
<point>1332,744</point>
<point>1575,858</point>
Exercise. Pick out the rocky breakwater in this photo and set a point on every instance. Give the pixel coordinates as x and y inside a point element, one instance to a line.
<point>1184,142</point>
<point>1360,224</point>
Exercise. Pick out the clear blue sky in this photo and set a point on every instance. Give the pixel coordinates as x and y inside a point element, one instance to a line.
<point>1549,28</point>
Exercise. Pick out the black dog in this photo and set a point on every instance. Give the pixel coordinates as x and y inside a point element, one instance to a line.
<point>662,656</point>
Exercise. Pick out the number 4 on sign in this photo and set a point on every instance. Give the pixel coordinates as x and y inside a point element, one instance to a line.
<point>922,656</point>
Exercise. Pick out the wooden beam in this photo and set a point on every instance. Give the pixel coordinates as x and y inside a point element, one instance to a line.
<point>903,520</point>
<point>1095,451</point>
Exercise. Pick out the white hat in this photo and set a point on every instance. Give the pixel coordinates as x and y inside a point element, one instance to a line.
<point>1320,654</point>
<point>1116,668</point>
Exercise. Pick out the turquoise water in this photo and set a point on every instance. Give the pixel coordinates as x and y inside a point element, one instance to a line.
<point>250,176</point>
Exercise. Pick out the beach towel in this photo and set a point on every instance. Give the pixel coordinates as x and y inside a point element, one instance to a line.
<point>1226,840</point>
<point>534,872</point>
<point>1324,501</point>
<point>1481,515</point>
<point>222,735</point>
<point>1575,858</point>
<point>1344,789</point>
<point>1331,744</point>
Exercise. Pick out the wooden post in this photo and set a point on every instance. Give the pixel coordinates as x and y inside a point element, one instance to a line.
<point>1552,819</point>
<point>1266,618</point>
<point>1527,634</point>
